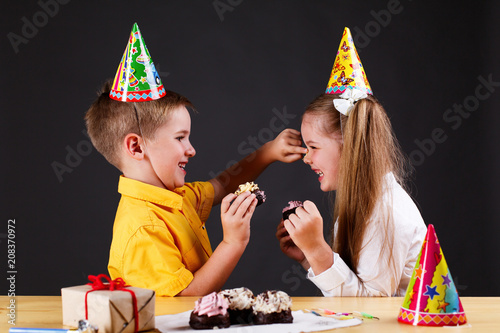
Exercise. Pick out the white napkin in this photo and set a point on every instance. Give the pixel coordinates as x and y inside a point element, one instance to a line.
<point>302,322</point>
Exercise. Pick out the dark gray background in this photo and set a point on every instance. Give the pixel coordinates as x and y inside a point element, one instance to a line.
<point>237,66</point>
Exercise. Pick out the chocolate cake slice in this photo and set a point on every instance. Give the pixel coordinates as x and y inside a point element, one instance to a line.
<point>240,302</point>
<point>272,307</point>
<point>252,188</point>
<point>290,209</point>
<point>209,312</point>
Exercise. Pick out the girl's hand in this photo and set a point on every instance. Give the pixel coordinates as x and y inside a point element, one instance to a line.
<point>236,217</point>
<point>286,147</point>
<point>287,245</point>
<point>306,229</point>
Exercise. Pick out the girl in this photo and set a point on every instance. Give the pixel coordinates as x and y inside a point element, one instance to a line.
<point>378,231</point>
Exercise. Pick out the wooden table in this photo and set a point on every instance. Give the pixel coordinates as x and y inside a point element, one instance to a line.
<point>483,313</point>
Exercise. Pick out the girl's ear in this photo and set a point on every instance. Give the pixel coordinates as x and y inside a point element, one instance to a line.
<point>133,146</point>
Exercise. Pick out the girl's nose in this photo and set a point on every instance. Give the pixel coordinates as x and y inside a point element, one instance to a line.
<point>306,158</point>
<point>190,151</point>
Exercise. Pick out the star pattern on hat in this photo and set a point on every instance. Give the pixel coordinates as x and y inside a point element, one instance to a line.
<point>446,280</point>
<point>442,305</point>
<point>431,291</point>
<point>412,293</point>
<point>419,272</point>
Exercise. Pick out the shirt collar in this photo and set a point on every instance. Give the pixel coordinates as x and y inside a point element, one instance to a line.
<point>146,192</point>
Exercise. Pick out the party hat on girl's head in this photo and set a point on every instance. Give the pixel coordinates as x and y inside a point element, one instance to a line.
<point>347,72</point>
<point>136,79</point>
<point>432,298</point>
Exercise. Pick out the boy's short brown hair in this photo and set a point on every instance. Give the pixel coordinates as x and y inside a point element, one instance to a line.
<point>109,121</point>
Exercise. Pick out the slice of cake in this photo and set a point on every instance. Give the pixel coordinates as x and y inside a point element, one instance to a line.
<point>241,301</point>
<point>272,307</point>
<point>209,312</point>
<point>252,188</point>
<point>290,209</point>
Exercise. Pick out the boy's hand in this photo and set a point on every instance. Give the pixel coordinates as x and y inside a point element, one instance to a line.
<point>236,217</point>
<point>286,147</point>
<point>306,229</point>
<point>287,245</point>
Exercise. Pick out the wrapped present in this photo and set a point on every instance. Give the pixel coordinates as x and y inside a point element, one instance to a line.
<point>112,306</point>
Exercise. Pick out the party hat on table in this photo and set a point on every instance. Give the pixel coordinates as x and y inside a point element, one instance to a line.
<point>432,298</point>
<point>136,79</point>
<point>347,72</point>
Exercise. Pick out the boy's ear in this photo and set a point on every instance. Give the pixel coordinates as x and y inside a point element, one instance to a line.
<point>133,146</point>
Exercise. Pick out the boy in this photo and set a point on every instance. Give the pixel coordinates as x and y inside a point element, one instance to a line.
<point>159,237</point>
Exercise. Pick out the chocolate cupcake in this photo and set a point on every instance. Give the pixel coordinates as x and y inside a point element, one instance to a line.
<point>240,302</point>
<point>272,307</point>
<point>252,188</point>
<point>290,209</point>
<point>209,312</point>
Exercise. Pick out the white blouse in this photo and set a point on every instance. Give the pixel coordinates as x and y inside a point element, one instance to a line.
<point>375,277</point>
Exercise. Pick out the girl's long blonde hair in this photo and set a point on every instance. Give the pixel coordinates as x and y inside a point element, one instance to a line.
<point>369,151</point>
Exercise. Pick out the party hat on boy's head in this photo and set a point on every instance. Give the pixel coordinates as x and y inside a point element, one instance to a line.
<point>136,79</point>
<point>432,298</point>
<point>347,72</point>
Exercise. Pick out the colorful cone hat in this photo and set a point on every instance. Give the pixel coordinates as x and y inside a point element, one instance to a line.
<point>136,79</point>
<point>432,298</point>
<point>347,72</point>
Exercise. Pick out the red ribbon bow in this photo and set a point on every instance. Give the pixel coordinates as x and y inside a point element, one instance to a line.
<point>111,285</point>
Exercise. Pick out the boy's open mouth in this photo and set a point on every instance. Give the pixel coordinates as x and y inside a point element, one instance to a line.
<point>182,165</point>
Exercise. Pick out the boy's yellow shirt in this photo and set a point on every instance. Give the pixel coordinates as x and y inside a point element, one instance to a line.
<point>159,236</point>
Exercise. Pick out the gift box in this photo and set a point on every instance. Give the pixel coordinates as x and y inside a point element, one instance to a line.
<point>112,307</point>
